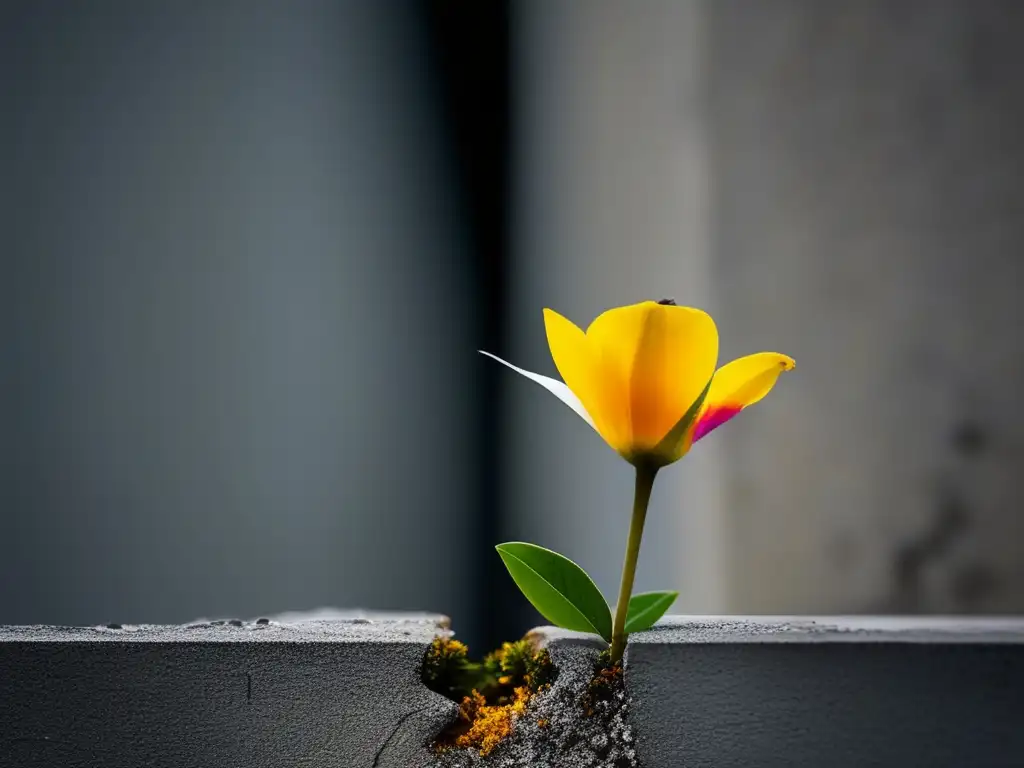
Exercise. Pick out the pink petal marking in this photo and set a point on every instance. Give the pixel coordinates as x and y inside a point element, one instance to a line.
<point>714,417</point>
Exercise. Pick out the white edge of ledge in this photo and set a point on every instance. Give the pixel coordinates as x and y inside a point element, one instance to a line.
<point>704,630</point>
<point>324,625</point>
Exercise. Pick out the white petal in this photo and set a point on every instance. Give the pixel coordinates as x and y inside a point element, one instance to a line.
<point>554,386</point>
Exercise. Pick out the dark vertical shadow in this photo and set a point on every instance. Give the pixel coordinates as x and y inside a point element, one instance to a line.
<point>470,57</point>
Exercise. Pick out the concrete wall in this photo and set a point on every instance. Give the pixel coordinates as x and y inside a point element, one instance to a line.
<point>842,184</point>
<point>804,692</point>
<point>327,691</point>
<point>236,347</point>
<point>317,692</point>
<point>869,173</point>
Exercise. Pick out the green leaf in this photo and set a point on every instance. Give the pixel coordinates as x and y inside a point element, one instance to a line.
<point>560,590</point>
<point>646,608</point>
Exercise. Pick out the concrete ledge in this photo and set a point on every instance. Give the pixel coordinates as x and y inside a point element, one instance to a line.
<point>327,689</point>
<point>338,690</point>
<point>834,692</point>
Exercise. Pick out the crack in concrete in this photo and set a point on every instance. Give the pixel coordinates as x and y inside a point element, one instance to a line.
<point>395,730</point>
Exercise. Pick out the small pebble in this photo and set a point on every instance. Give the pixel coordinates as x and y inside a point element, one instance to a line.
<point>114,626</point>
<point>235,623</point>
<point>262,621</point>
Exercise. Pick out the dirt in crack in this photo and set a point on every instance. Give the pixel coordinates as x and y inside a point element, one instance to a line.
<point>492,693</point>
<point>514,712</point>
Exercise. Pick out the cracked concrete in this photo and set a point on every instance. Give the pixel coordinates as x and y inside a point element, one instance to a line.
<point>325,689</point>
<point>554,732</point>
<point>343,690</point>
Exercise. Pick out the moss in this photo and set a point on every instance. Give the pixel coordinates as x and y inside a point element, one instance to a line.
<point>520,663</point>
<point>448,670</point>
<point>491,693</point>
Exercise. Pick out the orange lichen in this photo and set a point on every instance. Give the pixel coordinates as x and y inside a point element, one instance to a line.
<point>492,694</point>
<point>487,725</point>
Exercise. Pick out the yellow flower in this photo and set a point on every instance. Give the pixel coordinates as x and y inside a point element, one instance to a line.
<point>643,376</point>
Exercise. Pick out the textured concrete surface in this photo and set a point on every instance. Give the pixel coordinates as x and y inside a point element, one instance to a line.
<point>342,690</point>
<point>324,689</point>
<point>843,692</point>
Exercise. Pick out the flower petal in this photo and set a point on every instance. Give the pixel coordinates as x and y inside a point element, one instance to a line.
<point>554,386</point>
<point>737,385</point>
<point>581,369</point>
<point>664,355</point>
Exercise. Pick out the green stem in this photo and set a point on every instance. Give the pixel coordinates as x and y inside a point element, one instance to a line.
<point>641,497</point>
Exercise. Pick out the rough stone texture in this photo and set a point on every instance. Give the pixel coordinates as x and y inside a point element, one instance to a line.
<point>326,689</point>
<point>567,738</point>
<point>843,693</point>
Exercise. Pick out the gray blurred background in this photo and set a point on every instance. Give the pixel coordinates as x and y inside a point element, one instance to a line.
<point>248,249</point>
